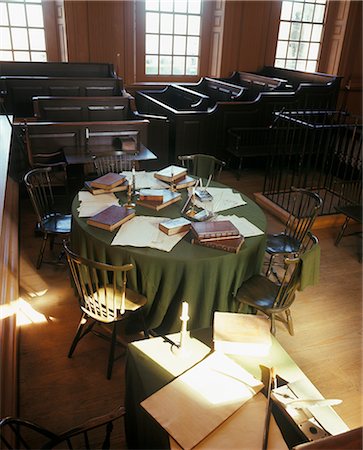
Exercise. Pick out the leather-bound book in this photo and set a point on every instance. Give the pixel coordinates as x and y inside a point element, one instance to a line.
<point>108,181</point>
<point>168,199</point>
<point>95,191</point>
<point>174,226</point>
<point>185,182</point>
<point>227,245</point>
<point>111,217</point>
<point>220,229</point>
<point>171,174</point>
<point>154,195</point>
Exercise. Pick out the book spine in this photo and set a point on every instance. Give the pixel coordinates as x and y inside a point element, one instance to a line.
<point>216,246</point>
<point>216,235</point>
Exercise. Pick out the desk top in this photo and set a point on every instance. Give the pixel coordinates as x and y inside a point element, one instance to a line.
<point>83,155</point>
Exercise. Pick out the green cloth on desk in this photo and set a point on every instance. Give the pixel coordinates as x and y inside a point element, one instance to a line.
<point>310,270</point>
<point>205,278</point>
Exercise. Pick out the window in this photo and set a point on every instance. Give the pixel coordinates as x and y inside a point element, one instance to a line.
<point>172,37</point>
<point>300,34</point>
<point>22,36</point>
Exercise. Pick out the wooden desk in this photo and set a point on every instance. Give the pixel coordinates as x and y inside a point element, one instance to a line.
<point>83,155</point>
<point>151,364</point>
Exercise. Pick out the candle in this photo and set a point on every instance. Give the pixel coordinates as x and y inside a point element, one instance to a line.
<point>184,319</point>
<point>184,314</point>
<point>87,133</point>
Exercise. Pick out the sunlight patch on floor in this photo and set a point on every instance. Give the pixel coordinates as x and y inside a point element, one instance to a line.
<point>24,312</point>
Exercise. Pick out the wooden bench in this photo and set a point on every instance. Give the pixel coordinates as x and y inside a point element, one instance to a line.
<point>217,90</point>
<point>178,98</point>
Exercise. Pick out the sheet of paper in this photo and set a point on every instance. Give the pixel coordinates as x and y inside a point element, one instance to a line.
<point>199,400</point>
<point>223,199</point>
<point>145,180</point>
<point>143,231</point>
<point>93,204</point>
<point>245,227</point>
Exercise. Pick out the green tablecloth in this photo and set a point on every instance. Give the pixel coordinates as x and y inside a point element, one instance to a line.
<point>206,278</point>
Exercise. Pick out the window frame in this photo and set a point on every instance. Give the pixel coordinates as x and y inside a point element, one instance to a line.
<point>140,52</point>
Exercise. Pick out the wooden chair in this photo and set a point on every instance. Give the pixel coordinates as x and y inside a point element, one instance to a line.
<point>201,165</point>
<point>302,214</point>
<point>104,299</point>
<point>117,162</point>
<point>17,433</point>
<point>273,299</point>
<point>350,205</point>
<point>50,222</point>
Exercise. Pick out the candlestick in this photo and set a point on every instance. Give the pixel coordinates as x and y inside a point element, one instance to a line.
<point>133,177</point>
<point>129,203</point>
<point>184,319</point>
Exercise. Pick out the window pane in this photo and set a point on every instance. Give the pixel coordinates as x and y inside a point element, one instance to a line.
<point>292,50</point>
<point>152,43</point>
<point>6,56</point>
<point>286,11</point>
<point>313,51</point>
<point>297,11</point>
<point>291,64</point>
<point>303,50</point>
<point>35,15</point>
<point>166,5</point>
<point>3,14</point>
<point>37,39</point>
<point>300,65</point>
<point>192,66</point>
<point>281,49</point>
<point>311,66</point>
<point>20,38</point>
<point>179,45</point>
<point>316,34</point>
<point>284,30</point>
<point>165,65</point>
<point>21,56</point>
<point>180,24</point>
<point>193,46</point>
<point>308,12</point>
<point>39,56</point>
<point>306,31</point>
<point>151,65</point>
<point>152,22</point>
<point>178,65</point>
<point>180,6</point>
<point>152,5</point>
<point>5,42</point>
<point>194,6</point>
<point>166,23</point>
<point>319,13</point>
<point>280,63</point>
<point>193,25</point>
<point>166,44</point>
<point>295,31</point>
<point>17,14</point>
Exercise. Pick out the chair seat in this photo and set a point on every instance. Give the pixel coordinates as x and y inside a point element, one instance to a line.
<point>258,291</point>
<point>352,211</point>
<point>58,223</point>
<point>281,243</point>
<point>133,301</point>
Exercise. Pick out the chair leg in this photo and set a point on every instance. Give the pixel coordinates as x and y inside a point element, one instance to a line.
<point>41,252</point>
<point>269,268</point>
<point>111,357</point>
<point>340,235</point>
<point>290,325</point>
<point>273,324</point>
<point>81,332</point>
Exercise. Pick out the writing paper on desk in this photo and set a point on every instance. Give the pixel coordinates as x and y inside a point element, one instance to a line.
<point>245,227</point>
<point>243,430</point>
<point>198,401</point>
<point>223,199</point>
<point>145,180</point>
<point>143,231</point>
<point>93,204</point>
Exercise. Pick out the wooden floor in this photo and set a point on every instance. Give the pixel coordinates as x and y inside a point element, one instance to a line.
<point>58,392</point>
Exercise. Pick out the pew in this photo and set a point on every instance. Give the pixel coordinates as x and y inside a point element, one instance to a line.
<point>217,90</point>
<point>82,109</point>
<point>179,98</point>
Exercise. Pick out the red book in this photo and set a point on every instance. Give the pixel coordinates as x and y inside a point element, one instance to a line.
<point>228,245</point>
<point>220,229</point>
<point>108,181</point>
<point>111,217</point>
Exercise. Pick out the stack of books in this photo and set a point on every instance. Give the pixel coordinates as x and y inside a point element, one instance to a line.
<point>176,176</point>
<point>110,182</point>
<point>220,235</point>
<point>157,198</point>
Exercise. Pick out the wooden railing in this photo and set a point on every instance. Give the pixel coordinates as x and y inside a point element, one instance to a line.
<point>9,275</point>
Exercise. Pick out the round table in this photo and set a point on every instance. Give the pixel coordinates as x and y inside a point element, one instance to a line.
<point>205,278</point>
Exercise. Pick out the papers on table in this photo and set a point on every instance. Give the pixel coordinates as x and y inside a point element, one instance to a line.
<point>93,204</point>
<point>145,180</point>
<point>245,227</point>
<point>199,400</point>
<point>143,231</point>
<point>223,198</point>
